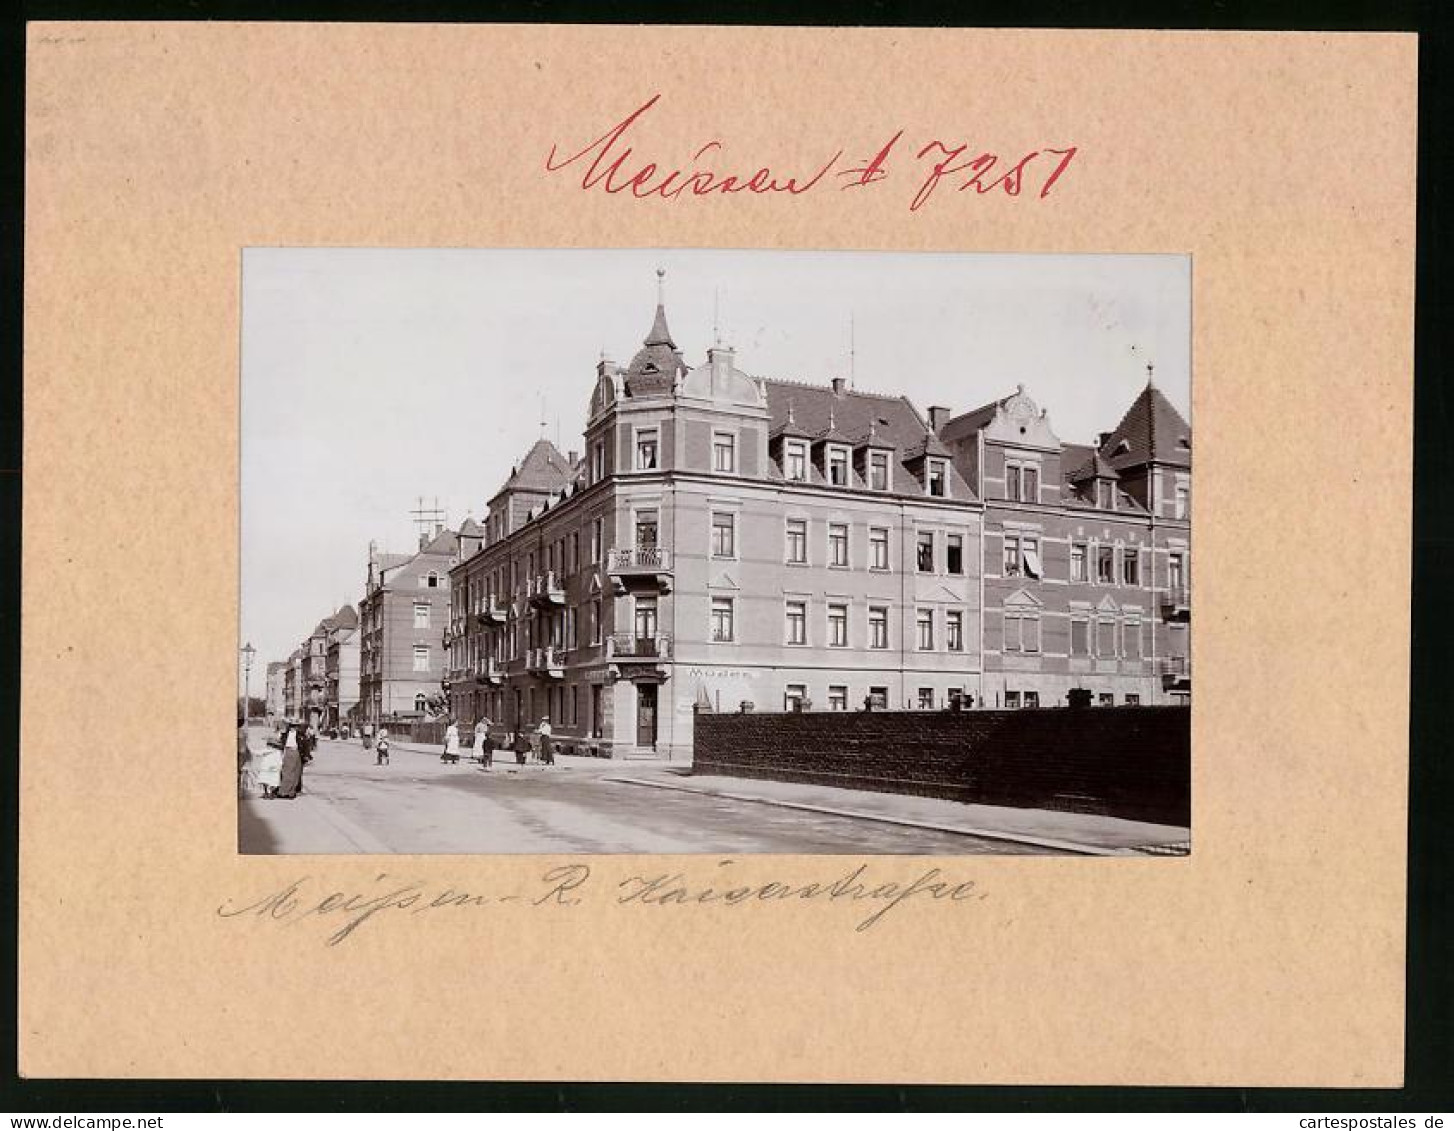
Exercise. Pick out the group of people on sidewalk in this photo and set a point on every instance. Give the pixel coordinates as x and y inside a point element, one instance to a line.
<point>541,749</point>
<point>277,770</point>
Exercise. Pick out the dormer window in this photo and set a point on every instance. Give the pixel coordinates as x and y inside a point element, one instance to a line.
<point>1105,494</point>
<point>936,478</point>
<point>645,449</point>
<point>878,471</point>
<point>795,460</point>
<point>838,466</point>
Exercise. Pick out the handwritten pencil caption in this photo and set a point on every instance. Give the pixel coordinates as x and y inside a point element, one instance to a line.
<point>574,885</point>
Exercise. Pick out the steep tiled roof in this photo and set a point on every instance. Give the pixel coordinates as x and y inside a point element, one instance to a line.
<point>1152,430</point>
<point>543,469</point>
<point>1082,461</point>
<point>816,408</point>
<point>658,363</point>
<point>471,529</point>
<point>445,542</point>
<point>968,423</point>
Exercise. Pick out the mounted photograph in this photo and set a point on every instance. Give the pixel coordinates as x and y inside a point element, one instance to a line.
<point>714,551</point>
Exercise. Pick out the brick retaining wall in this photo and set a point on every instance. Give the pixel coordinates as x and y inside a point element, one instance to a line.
<point>1131,762</point>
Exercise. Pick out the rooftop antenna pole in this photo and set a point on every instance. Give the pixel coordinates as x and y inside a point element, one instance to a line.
<point>852,351</point>
<point>716,316</point>
<point>542,418</point>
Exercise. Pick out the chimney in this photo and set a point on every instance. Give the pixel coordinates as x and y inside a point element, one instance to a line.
<point>838,385</point>
<point>938,417</point>
<point>572,457</point>
<point>720,359</point>
<point>423,539</point>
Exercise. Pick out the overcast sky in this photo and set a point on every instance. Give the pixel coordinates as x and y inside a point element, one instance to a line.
<point>373,377</point>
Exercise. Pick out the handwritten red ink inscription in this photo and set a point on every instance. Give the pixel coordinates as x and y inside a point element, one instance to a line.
<point>611,164</point>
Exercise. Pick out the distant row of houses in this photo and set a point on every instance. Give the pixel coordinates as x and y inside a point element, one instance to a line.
<point>728,540</point>
<point>318,683</point>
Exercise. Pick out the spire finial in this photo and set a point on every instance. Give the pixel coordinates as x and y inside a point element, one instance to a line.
<point>661,286</point>
<point>1150,374</point>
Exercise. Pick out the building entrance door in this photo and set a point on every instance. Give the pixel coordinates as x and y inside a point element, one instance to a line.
<point>646,715</point>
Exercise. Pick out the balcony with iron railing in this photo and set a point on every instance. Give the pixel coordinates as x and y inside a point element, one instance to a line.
<point>639,564</point>
<point>1174,670</point>
<point>626,647</point>
<point>488,671</point>
<point>546,590</point>
<point>546,661</point>
<point>491,613</point>
<point>1176,602</point>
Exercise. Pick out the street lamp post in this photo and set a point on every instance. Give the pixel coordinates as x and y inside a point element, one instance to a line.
<point>248,652</point>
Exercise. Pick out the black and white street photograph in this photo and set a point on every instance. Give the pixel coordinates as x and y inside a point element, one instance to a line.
<point>711,551</point>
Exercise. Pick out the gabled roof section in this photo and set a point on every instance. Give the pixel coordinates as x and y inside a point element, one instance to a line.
<point>1153,431</point>
<point>543,469</point>
<point>445,544</point>
<point>471,529</point>
<point>346,617</point>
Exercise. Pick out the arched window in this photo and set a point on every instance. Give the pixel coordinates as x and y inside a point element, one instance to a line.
<point>419,701</point>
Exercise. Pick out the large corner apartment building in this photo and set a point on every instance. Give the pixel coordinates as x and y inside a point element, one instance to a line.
<point>727,539</point>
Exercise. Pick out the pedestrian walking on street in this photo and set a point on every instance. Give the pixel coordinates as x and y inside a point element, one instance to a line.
<point>270,768</point>
<point>381,748</point>
<point>547,743</point>
<point>482,742</point>
<point>307,742</point>
<point>451,743</point>
<point>246,766</point>
<point>290,782</point>
<point>521,745</point>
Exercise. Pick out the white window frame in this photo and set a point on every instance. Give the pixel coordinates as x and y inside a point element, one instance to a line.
<point>421,652</point>
<point>838,455</point>
<point>836,622</point>
<point>788,529</point>
<point>795,614</point>
<point>874,458</point>
<point>724,441</point>
<point>729,606</point>
<point>640,435</point>
<point>922,617</point>
<point>874,543</point>
<point>936,467</point>
<point>795,459</point>
<point>731,528</point>
<point>872,609</point>
<point>847,546</point>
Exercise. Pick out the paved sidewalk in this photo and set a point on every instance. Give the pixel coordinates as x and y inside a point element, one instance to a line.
<point>1082,833</point>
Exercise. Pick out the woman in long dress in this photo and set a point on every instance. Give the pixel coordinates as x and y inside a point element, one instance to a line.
<point>270,768</point>
<point>451,743</point>
<point>482,742</point>
<point>290,783</point>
